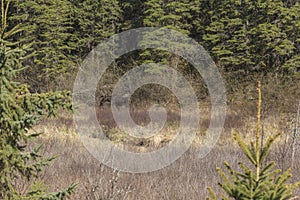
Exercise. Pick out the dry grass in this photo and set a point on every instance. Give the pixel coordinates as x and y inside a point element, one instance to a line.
<point>187,178</point>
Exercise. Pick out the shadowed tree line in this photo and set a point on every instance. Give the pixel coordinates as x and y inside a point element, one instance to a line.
<point>247,39</point>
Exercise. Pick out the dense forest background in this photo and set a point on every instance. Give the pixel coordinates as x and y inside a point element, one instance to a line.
<point>248,40</point>
<point>43,43</point>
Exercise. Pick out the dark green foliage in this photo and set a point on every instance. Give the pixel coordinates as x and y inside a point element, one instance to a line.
<point>247,39</point>
<point>19,112</point>
<point>247,36</point>
<point>176,15</point>
<point>47,28</point>
<point>132,13</point>
<point>261,181</point>
<point>60,34</point>
<point>94,21</point>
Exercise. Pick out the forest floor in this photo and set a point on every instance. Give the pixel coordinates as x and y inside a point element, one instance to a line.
<point>186,178</point>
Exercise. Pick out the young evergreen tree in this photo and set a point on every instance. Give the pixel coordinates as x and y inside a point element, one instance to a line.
<point>259,181</point>
<point>19,112</point>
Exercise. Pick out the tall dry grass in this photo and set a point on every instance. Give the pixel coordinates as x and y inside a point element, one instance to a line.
<point>187,178</point>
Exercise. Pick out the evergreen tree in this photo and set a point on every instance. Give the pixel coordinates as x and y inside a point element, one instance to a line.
<point>226,34</point>
<point>259,181</point>
<point>250,36</point>
<point>176,15</point>
<point>245,38</point>
<point>19,112</point>
<point>93,22</point>
<point>291,24</point>
<point>47,29</point>
<point>132,14</point>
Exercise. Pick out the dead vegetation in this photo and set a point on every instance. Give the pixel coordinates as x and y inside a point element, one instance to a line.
<point>187,178</point>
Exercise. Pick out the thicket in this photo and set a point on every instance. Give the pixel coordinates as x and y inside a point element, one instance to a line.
<point>248,40</point>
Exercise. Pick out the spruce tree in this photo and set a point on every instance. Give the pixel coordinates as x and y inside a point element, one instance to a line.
<point>261,181</point>
<point>247,37</point>
<point>132,14</point>
<point>175,15</point>
<point>291,24</point>
<point>19,112</point>
<point>47,28</point>
<point>94,21</point>
<point>226,34</point>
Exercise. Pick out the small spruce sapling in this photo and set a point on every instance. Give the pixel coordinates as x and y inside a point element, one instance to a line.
<point>261,181</point>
